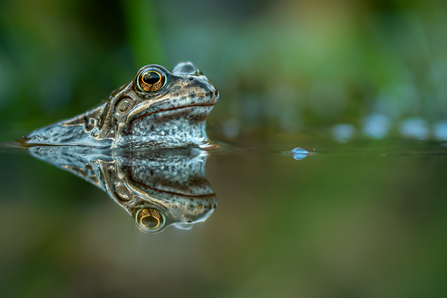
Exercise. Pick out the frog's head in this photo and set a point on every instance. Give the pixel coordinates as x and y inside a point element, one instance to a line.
<point>159,108</point>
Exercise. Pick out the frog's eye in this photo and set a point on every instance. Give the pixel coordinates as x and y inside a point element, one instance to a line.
<point>151,80</point>
<point>149,220</point>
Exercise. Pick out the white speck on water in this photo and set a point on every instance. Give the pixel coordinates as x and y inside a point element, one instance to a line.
<point>299,153</point>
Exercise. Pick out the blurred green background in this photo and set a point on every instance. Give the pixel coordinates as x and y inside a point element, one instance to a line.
<point>362,82</point>
<point>378,66</point>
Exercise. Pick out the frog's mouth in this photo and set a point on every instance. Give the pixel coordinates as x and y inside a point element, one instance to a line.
<point>147,111</point>
<point>201,99</point>
<point>170,122</point>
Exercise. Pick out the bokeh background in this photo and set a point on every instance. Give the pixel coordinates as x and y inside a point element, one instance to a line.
<point>357,68</point>
<point>360,84</point>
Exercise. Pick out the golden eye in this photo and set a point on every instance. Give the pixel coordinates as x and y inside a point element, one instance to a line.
<point>149,219</point>
<point>151,80</point>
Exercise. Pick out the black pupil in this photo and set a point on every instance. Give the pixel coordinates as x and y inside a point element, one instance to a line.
<point>149,222</point>
<point>151,77</point>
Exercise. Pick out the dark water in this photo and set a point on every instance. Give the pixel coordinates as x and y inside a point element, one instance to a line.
<point>362,219</point>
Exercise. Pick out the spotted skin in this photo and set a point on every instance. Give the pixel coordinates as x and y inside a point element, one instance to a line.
<point>172,117</point>
<point>169,182</point>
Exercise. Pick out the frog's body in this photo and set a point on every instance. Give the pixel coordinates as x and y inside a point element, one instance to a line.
<point>158,109</point>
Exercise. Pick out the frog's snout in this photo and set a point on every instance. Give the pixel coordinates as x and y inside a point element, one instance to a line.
<point>200,86</point>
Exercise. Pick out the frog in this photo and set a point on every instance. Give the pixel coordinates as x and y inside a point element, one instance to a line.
<point>157,109</point>
<point>157,188</point>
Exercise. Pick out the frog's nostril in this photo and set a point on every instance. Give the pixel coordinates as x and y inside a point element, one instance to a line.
<point>188,80</point>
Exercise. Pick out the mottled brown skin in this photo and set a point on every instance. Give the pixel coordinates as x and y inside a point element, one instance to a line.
<point>170,115</point>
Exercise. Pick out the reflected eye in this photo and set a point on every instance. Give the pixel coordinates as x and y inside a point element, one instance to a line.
<point>151,80</point>
<point>149,219</point>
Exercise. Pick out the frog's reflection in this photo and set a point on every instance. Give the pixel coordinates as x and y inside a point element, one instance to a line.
<point>157,188</point>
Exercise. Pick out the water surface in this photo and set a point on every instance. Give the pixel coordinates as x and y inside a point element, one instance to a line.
<point>360,219</point>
